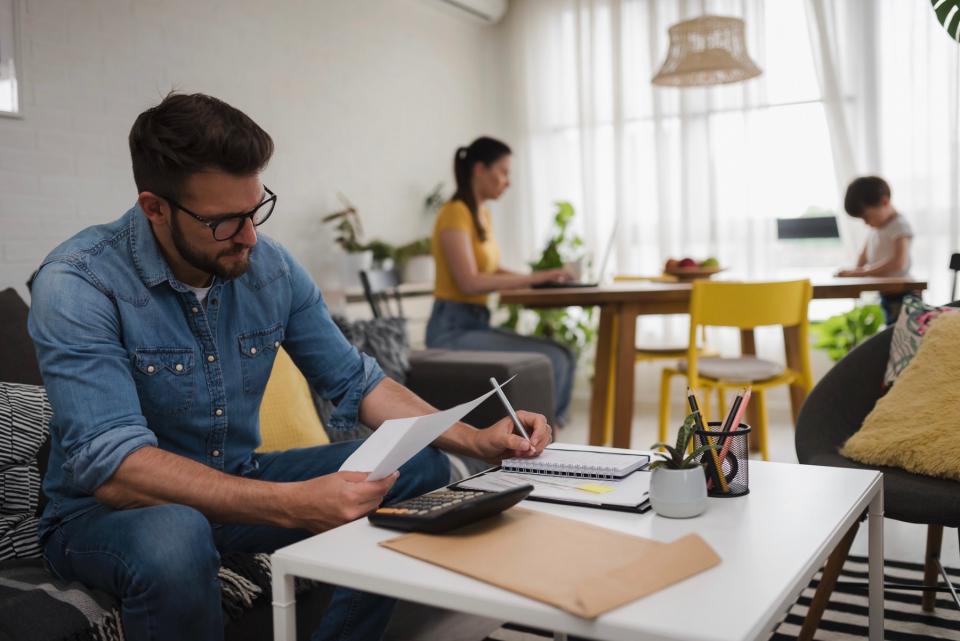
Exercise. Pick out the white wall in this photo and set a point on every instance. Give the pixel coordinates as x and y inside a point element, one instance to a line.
<point>367,97</point>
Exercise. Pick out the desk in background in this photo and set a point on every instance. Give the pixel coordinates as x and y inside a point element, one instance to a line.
<point>621,303</point>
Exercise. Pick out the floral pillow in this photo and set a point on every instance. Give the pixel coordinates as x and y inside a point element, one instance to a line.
<point>911,326</point>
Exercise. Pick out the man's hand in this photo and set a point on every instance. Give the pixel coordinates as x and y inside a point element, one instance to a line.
<point>499,441</point>
<point>326,502</point>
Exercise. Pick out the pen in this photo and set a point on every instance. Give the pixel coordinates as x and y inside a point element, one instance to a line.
<point>510,411</point>
<point>735,423</point>
<point>713,463</point>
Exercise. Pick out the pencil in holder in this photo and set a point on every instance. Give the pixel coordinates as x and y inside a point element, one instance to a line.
<point>732,451</point>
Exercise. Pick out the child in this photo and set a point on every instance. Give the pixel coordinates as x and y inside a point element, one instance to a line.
<point>886,251</point>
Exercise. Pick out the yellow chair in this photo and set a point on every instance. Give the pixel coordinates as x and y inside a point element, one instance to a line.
<point>744,306</point>
<point>659,353</point>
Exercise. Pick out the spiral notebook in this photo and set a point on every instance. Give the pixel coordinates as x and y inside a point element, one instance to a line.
<point>578,463</point>
<point>584,475</point>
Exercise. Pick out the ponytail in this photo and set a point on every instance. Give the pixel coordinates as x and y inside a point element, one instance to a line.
<point>483,150</point>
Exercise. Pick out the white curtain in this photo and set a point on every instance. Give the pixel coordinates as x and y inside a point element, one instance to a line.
<point>700,171</point>
<point>849,87</point>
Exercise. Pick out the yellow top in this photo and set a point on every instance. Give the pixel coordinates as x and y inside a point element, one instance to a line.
<point>456,215</point>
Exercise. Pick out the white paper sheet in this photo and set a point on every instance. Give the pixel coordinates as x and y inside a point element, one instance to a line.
<point>398,440</point>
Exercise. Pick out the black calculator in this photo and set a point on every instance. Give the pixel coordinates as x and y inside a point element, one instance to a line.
<point>446,508</point>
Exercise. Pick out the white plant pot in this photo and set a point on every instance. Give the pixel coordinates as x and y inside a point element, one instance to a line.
<point>351,264</point>
<point>419,269</point>
<point>678,494</point>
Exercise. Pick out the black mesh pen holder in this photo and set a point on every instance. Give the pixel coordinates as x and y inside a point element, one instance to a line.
<point>733,452</point>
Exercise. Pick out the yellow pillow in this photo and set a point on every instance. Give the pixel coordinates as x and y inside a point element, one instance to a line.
<point>288,417</point>
<point>914,426</point>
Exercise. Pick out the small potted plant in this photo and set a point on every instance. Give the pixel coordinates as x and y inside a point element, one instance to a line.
<point>678,488</point>
<point>415,261</point>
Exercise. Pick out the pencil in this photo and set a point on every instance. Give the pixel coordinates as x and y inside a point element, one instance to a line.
<point>744,398</point>
<point>713,464</point>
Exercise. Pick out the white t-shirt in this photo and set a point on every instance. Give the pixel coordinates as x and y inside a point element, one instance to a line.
<point>881,242</point>
<point>201,293</point>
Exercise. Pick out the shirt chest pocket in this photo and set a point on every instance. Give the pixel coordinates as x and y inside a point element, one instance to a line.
<point>257,352</point>
<point>164,378</point>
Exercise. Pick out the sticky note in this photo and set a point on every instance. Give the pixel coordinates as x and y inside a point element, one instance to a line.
<point>595,488</point>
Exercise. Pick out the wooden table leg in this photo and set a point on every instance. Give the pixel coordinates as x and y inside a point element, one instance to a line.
<point>601,375</point>
<point>625,351</point>
<point>748,347</point>
<point>794,354</point>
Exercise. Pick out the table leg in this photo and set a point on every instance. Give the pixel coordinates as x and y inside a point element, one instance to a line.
<point>626,362</point>
<point>601,376</point>
<point>792,347</point>
<point>284,606</point>
<point>748,347</point>
<point>875,555</point>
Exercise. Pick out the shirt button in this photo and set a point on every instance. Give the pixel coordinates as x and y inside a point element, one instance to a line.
<point>195,310</point>
<point>253,350</point>
<point>219,412</point>
<point>178,367</point>
<point>276,343</point>
<point>151,369</point>
<point>215,453</point>
<point>211,358</point>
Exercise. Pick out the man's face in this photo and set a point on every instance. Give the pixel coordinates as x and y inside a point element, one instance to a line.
<point>213,195</point>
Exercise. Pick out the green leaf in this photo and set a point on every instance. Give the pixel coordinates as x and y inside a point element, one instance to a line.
<point>697,452</point>
<point>943,10</point>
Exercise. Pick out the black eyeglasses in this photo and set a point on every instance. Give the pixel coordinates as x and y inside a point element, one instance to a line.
<point>226,227</point>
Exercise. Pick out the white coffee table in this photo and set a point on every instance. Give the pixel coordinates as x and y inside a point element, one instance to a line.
<point>772,542</point>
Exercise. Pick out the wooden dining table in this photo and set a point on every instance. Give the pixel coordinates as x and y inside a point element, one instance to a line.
<point>621,303</point>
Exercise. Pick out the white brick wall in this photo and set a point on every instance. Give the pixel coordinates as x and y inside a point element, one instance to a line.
<point>367,97</point>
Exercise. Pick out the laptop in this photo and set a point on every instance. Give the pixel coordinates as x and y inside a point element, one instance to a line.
<point>599,273</point>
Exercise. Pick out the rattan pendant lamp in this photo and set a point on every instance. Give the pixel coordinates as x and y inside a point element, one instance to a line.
<point>709,50</point>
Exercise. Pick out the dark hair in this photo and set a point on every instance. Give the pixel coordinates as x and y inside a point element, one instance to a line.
<point>188,133</point>
<point>483,150</point>
<point>866,191</point>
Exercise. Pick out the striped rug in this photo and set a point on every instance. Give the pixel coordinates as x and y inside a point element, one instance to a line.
<point>846,616</point>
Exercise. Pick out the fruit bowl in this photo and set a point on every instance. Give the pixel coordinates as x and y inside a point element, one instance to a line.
<point>692,273</point>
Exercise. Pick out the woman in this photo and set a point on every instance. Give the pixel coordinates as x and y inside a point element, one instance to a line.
<point>468,268</point>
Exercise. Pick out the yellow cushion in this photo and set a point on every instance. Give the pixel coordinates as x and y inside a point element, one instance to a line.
<point>914,426</point>
<point>288,417</point>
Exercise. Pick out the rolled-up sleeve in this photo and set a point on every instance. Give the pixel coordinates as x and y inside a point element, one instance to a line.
<point>87,373</point>
<point>335,368</point>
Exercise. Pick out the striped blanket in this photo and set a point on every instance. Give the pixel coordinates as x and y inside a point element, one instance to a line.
<point>70,611</point>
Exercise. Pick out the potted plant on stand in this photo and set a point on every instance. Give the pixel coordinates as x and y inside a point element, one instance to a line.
<point>678,487</point>
<point>415,261</point>
<point>358,256</point>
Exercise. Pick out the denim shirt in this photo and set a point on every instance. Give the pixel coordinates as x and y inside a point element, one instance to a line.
<point>131,359</point>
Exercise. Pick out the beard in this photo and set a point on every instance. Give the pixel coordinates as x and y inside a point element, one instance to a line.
<point>210,264</point>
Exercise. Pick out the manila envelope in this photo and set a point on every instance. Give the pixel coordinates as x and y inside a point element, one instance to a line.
<point>581,568</point>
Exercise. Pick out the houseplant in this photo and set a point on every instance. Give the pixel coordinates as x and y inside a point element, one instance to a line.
<point>415,261</point>
<point>572,326</point>
<point>839,334</point>
<point>678,488</point>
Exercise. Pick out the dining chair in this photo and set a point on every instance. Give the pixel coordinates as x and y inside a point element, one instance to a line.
<point>744,306</point>
<point>646,353</point>
<point>955,267</point>
<point>379,287</point>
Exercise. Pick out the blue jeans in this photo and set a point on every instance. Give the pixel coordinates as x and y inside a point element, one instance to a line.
<point>464,326</point>
<point>162,561</point>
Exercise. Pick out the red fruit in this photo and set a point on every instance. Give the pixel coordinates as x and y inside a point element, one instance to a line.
<point>687,262</point>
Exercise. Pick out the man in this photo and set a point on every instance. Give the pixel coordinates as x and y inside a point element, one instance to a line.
<point>156,335</point>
